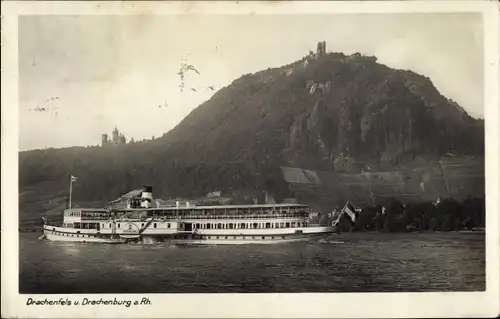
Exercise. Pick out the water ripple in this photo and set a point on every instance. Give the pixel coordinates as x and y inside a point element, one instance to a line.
<point>342,263</point>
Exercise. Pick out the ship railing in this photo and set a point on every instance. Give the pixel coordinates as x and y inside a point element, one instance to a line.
<point>225,217</point>
<point>95,218</point>
<point>208,217</point>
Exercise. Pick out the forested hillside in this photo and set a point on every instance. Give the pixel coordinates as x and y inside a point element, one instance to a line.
<point>327,112</point>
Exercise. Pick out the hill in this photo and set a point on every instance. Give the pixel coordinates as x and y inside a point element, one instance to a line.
<point>327,112</point>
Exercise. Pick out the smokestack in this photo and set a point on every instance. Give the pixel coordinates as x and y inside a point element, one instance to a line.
<point>146,196</point>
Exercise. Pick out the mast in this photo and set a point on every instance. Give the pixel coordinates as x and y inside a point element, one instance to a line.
<point>70,191</point>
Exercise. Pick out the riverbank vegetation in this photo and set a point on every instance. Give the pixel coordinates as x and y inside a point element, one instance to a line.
<point>447,215</point>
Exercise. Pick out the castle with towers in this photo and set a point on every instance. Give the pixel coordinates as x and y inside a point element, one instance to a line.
<point>117,138</point>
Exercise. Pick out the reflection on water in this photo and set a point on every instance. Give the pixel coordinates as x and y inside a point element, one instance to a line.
<point>71,249</point>
<point>341,263</point>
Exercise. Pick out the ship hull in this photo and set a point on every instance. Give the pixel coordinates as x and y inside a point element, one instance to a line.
<point>247,241</point>
<point>69,235</point>
<point>58,237</point>
<point>55,235</point>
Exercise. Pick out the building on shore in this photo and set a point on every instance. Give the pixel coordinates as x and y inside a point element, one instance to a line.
<point>117,138</point>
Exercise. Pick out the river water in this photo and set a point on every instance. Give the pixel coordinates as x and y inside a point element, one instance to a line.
<point>357,262</point>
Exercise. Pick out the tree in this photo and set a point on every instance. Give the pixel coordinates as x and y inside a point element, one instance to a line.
<point>474,211</point>
<point>417,215</point>
<point>449,212</point>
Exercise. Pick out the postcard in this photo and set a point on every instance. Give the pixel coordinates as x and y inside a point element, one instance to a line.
<point>250,159</point>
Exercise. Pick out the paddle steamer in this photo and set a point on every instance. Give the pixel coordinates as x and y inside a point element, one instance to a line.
<point>138,222</point>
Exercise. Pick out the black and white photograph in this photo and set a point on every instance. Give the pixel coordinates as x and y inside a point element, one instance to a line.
<point>250,151</point>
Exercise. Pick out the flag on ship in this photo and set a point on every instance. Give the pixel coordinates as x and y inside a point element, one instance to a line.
<point>73,178</point>
<point>350,212</point>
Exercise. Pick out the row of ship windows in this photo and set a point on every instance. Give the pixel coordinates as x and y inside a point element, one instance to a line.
<point>88,214</point>
<point>235,225</point>
<point>77,214</point>
<point>244,237</point>
<point>142,225</point>
<point>207,237</point>
<point>249,225</point>
<point>106,215</point>
<point>77,235</point>
<point>81,225</point>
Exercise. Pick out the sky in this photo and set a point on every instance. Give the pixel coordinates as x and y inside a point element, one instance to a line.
<point>92,73</point>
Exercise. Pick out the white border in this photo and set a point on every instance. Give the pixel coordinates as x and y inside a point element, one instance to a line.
<point>348,305</point>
